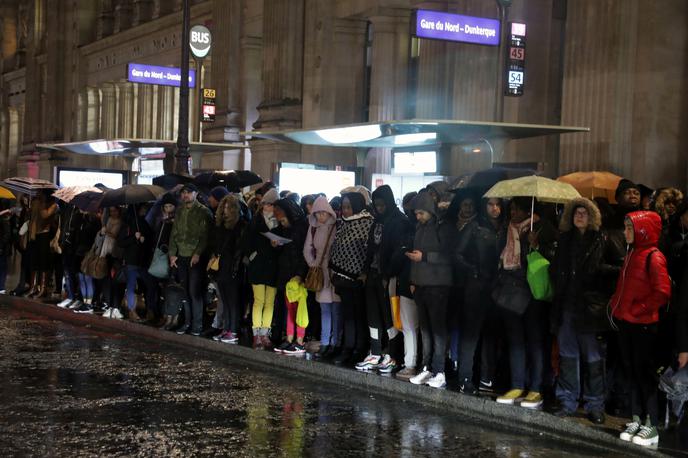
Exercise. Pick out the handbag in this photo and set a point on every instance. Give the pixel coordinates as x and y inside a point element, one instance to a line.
<point>395,304</point>
<point>538,277</point>
<point>315,279</point>
<point>160,265</point>
<point>511,293</point>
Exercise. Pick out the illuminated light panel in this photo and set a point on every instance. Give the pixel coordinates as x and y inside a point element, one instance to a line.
<point>351,134</point>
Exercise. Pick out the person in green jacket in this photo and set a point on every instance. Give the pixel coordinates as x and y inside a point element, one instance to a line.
<point>188,242</point>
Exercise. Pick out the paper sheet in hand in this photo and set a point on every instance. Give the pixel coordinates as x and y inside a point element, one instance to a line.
<point>276,238</point>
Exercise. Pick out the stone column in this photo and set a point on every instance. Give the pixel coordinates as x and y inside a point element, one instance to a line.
<point>227,71</point>
<point>106,19</point>
<point>281,107</point>
<point>143,12</point>
<point>388,79</point>
<point>109,110</point>
<point>127,117</point>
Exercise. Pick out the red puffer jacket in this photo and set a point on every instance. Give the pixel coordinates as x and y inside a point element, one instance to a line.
<point>644,284</point>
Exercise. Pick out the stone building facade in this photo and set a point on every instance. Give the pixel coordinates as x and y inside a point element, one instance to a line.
<point>617,66</point>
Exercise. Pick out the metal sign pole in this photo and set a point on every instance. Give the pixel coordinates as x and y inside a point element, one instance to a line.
<point>182,154</point>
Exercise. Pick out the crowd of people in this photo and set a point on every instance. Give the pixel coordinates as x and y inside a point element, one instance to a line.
<point>441,286</point>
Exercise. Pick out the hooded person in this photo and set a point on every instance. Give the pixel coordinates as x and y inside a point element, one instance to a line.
<point>387,235</point>
<point>439,191</point>
<point>226,246</point>
<point>628,197</point>
<point>643,288</point>
<point>291,267</point>
<point>316,251</point>
<point>431,280</point>
<point>524,318</point>
<point>477,260</point>
<point>347,262</point>
<point>262,268</point>
<point>580,277</point>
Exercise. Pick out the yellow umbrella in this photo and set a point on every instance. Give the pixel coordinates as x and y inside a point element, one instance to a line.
<point>544,189</point>
<point>6,193</point>
<point>541,188</point>
<point>593,184</point>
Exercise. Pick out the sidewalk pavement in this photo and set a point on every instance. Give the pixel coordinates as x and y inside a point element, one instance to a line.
<point>483,409</point>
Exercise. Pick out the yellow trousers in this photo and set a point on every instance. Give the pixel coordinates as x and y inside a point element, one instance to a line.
<point>263,305</point>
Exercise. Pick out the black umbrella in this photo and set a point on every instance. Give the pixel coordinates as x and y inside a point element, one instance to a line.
<point>132,194</point>
<point>88,201</point>
<point>233,180</point>
<point>485,179</point>
<point>171,180</point>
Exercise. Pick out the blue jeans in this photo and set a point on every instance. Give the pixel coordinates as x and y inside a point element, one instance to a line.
<point>525,336</point>
<point>133,274</point>
<point>576,348</point>
<point>331,319</point>
<point>86,286</point>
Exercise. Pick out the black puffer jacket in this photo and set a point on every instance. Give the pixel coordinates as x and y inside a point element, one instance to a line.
<point>290,262</point>
<point>5,236</point>
<point>436,240</point>
<point>388,234</point>
<point>135,252</point>
<point>477,256</point>
<point>579,272</point>
<point>227,243</point>
<point>70,223</point>
<point>262,256</point>
<point>87,231</point>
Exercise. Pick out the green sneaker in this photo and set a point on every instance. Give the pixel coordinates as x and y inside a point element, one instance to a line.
<point>631,430</point>
<point>647,436</point>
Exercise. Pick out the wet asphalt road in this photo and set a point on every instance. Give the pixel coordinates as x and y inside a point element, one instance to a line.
<point>71,391</point>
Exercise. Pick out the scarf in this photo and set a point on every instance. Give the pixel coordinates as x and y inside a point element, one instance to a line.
<point>511,255</point>
<point>462,220</point>
<point>296,292</point>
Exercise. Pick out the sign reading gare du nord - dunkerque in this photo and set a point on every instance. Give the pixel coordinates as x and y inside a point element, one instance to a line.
<point>456,27</point>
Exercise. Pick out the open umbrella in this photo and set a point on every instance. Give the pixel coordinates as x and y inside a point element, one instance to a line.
<point>131,194</point>
<point>544,189</point>
<point>6,194</point>
<point>68,193</point>
<point>88,201</point>
<point>485,179</point>
<point>593,184</point>
<point>170,180</point>
<point>233,180</point>
<point>26,185</point>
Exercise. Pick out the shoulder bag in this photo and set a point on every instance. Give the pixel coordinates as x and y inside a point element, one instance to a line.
<point>315,280</point>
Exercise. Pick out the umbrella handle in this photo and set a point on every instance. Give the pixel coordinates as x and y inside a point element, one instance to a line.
<point>532,211</point>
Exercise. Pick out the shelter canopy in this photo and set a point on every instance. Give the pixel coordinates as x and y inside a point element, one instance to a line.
<point>134,147</point>
<point>413,133</point>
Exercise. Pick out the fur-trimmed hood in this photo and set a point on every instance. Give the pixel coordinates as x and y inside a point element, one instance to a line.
<point>595,219</point>
<point>664,197</point>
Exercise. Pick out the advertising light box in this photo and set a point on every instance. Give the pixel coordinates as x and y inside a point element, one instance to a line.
<point>113,179</point>
<point>312,181</point>
<point>162,76</point>
<point>456,27</point>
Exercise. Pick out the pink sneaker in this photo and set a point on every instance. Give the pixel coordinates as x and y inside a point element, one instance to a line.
<point>229,337</point>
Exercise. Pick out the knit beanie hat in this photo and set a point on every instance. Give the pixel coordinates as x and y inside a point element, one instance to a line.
<point>624,184</point>
<point>219,192</point>
<point>168,198</point>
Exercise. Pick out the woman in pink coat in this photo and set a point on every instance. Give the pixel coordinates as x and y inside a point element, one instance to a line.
<point>322,227</point>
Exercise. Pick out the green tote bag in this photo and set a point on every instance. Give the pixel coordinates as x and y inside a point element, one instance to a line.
<point>538,277</point>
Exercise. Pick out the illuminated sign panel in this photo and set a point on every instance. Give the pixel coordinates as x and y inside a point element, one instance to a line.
<point>162,76</point>
<point>456,27</point>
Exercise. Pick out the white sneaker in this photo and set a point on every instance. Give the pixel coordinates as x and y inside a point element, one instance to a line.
<point>647,436</point>
<point>631,430</point>
<point>421,378</point>
<point>438,381</point>
<point>64,303</point>
<point>371,362</point>
<point>2,291</point>
<point>75,305</point>
<point>116,314</point>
